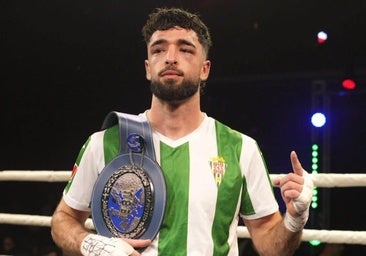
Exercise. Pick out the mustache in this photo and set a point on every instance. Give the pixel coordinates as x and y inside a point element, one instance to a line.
<point>171,68</point>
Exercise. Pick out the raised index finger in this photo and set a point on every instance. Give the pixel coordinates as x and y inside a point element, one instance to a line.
<point>296,165</point>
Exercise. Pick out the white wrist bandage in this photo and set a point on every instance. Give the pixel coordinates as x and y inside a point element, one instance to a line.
<point>96,245</point>
<point>295,224</point>
<point>301,205</point>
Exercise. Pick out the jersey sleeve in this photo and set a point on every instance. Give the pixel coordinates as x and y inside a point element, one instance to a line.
<point>90,161</point>
<point>258,199</point>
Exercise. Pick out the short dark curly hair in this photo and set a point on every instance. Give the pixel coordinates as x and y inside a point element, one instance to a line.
<point>167,18</point>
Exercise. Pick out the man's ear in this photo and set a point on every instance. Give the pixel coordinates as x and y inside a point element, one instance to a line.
<point>205,71</point>
<point>147,70</point>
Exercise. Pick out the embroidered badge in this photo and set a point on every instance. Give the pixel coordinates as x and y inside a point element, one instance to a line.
<point>74,170</point>
<point>218,167</point>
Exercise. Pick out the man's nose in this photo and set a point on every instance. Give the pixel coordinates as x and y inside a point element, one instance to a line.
<point>171,56</point>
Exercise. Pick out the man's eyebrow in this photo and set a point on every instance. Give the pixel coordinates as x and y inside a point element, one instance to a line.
<point>157,42</point>
<point>180,42</point>
<point>185,42</point>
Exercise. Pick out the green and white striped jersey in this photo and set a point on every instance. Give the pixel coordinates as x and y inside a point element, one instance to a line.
<point>213,176</point>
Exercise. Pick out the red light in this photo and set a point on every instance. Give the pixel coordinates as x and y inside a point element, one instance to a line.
<point>348,84</point>
<point>321,41</point>
<point>322,37</point>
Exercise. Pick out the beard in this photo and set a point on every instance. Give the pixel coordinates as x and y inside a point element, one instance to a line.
<point>171,91</point>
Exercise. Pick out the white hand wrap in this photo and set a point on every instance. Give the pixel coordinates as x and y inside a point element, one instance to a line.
<point>96,245</point>
<point>295,224</point>
<point>301,205</point>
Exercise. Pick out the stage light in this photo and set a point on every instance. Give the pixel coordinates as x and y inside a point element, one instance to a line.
<point>314,167</point>
<point>315,198</point>
<point>322,37</point>
<point>318,119</point>
<point>315,242</point>
<point>349,84</point>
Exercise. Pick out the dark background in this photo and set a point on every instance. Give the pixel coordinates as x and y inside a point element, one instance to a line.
<point>66,64</point>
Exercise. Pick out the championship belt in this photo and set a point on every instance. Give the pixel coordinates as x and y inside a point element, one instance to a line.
<point>129,195</point>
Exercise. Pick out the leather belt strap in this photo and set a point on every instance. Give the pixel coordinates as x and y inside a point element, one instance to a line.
<point>131,124</point>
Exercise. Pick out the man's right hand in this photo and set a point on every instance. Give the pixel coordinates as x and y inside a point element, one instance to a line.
<point>93,245</point>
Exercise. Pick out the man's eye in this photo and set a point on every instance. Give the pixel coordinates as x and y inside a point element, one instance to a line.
<point>186,50</point>
<point>157,50</point>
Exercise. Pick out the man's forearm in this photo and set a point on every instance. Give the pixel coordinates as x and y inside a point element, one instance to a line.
<point>278,241</point>
<point>67,232</point>
<point>286,242</point>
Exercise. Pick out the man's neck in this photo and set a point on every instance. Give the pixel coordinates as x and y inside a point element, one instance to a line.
<point>175,120</point>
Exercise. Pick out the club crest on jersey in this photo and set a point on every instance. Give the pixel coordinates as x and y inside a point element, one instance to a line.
<point>218,167</point>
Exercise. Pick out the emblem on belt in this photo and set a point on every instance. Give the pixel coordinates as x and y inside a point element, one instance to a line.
<point>129,195</point>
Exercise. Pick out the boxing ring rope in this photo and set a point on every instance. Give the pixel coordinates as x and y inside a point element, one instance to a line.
<point>327,180</point>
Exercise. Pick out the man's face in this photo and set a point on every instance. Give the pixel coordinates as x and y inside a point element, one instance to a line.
<point>176,64</point>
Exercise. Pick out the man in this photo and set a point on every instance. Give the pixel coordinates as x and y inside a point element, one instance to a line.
<point>202,211</point>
